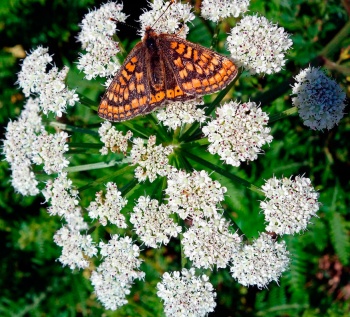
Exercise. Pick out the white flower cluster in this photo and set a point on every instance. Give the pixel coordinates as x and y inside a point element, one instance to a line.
<point>209,242</point>
<point>238,132</point>
<point>289,204</point>
<point>113,139</point>
<point>112,280</point>
<point>320,100</point>
<point>216,10</point>
<point>258,45</point>
<point>49,149</point>
<point>153,223</point>
<point>75,248</point>
<point>193,195</point>
<point>186,295</point>
<point>97,30</point>
<point>173,19</point>
<point>53,94</point>
<point>260,263</point>
<point>19,137</point>
<point>109,207</point>
<point>178,113</point>
<point>61,195</point>
<point>152,159</point>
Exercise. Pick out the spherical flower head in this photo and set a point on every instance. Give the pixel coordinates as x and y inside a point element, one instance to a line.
<point>238,132</point>
<point>258,45</point>
<point>49,149</point>
<point>76,248</point>
<point>152,159</point>
<point>153,223</point>
<point>289,204</point>
<point>260,263</point>
<point>108,207</point>
<point>178,113</point>
<point>114,277</point>
<point>216,10</point>
<point>209,242</point>
<point>193,195</point>
<point>320,100</point>
<point>97,29</point>
<point>185,294</point>
<point>173,19</point>
<point>17,147</point>
<point>113,140</point>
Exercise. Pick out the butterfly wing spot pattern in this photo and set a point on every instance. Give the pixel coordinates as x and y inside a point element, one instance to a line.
<point>164,68</point>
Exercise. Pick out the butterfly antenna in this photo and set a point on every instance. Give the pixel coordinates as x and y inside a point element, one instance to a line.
<point>170,3</point>
<point>116,21</point>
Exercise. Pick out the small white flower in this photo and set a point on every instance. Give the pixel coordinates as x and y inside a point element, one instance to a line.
<point>209,242</point>
<point>173,18</point>
<point>53,94</point>
<point>289,204</point>
<point>258,45</point>
<point>260,263</point>
<point>19,138</point>
<point>186,294</point>
<point>76,247</point>
<point>178,113</point>
<point>153,223</point>
<point>152,159</point>
<point>114,277</point>
<point>49,149</point>
<point>109,207</point>
<point>320,100</point>
<point>238,132</point>
<point>193,195</point>
<point>216,10</point>
<point>113,140</point>
<point>97,30</point>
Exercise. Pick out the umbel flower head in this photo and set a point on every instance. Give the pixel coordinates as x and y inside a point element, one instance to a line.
<point>172,19</point>
<point>185,294</point>
<point>238,132</point>
<point>258,45</point>
<point>261,262</point>
<point>53,94</point>
<point>289,204</point>
<point>216,10</point>
<point>320,100</point>
<point>97,30</point>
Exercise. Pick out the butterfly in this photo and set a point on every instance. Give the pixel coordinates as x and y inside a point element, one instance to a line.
<point>164,68</point>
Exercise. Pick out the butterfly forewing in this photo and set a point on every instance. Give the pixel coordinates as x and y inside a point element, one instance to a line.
<point>127,95</point>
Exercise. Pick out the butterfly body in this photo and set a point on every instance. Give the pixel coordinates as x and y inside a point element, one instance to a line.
<point>164,68</point>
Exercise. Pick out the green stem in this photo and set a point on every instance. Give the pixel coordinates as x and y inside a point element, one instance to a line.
<point>214,41</point>
<point>223,172</point>
<point>94,166</point>
<point>123,171</point>
<point>283,114</point>
<point>71,128</point>
<point>85,101</point>
<point>200,142</point>
<point>74,145</point>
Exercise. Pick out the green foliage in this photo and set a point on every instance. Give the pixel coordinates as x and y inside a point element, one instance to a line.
<point>33,283</point>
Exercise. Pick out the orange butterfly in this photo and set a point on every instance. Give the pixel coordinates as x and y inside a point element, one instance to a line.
<point>164,68</point>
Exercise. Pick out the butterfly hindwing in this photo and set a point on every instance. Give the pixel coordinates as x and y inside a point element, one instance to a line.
<point>198,70</point>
